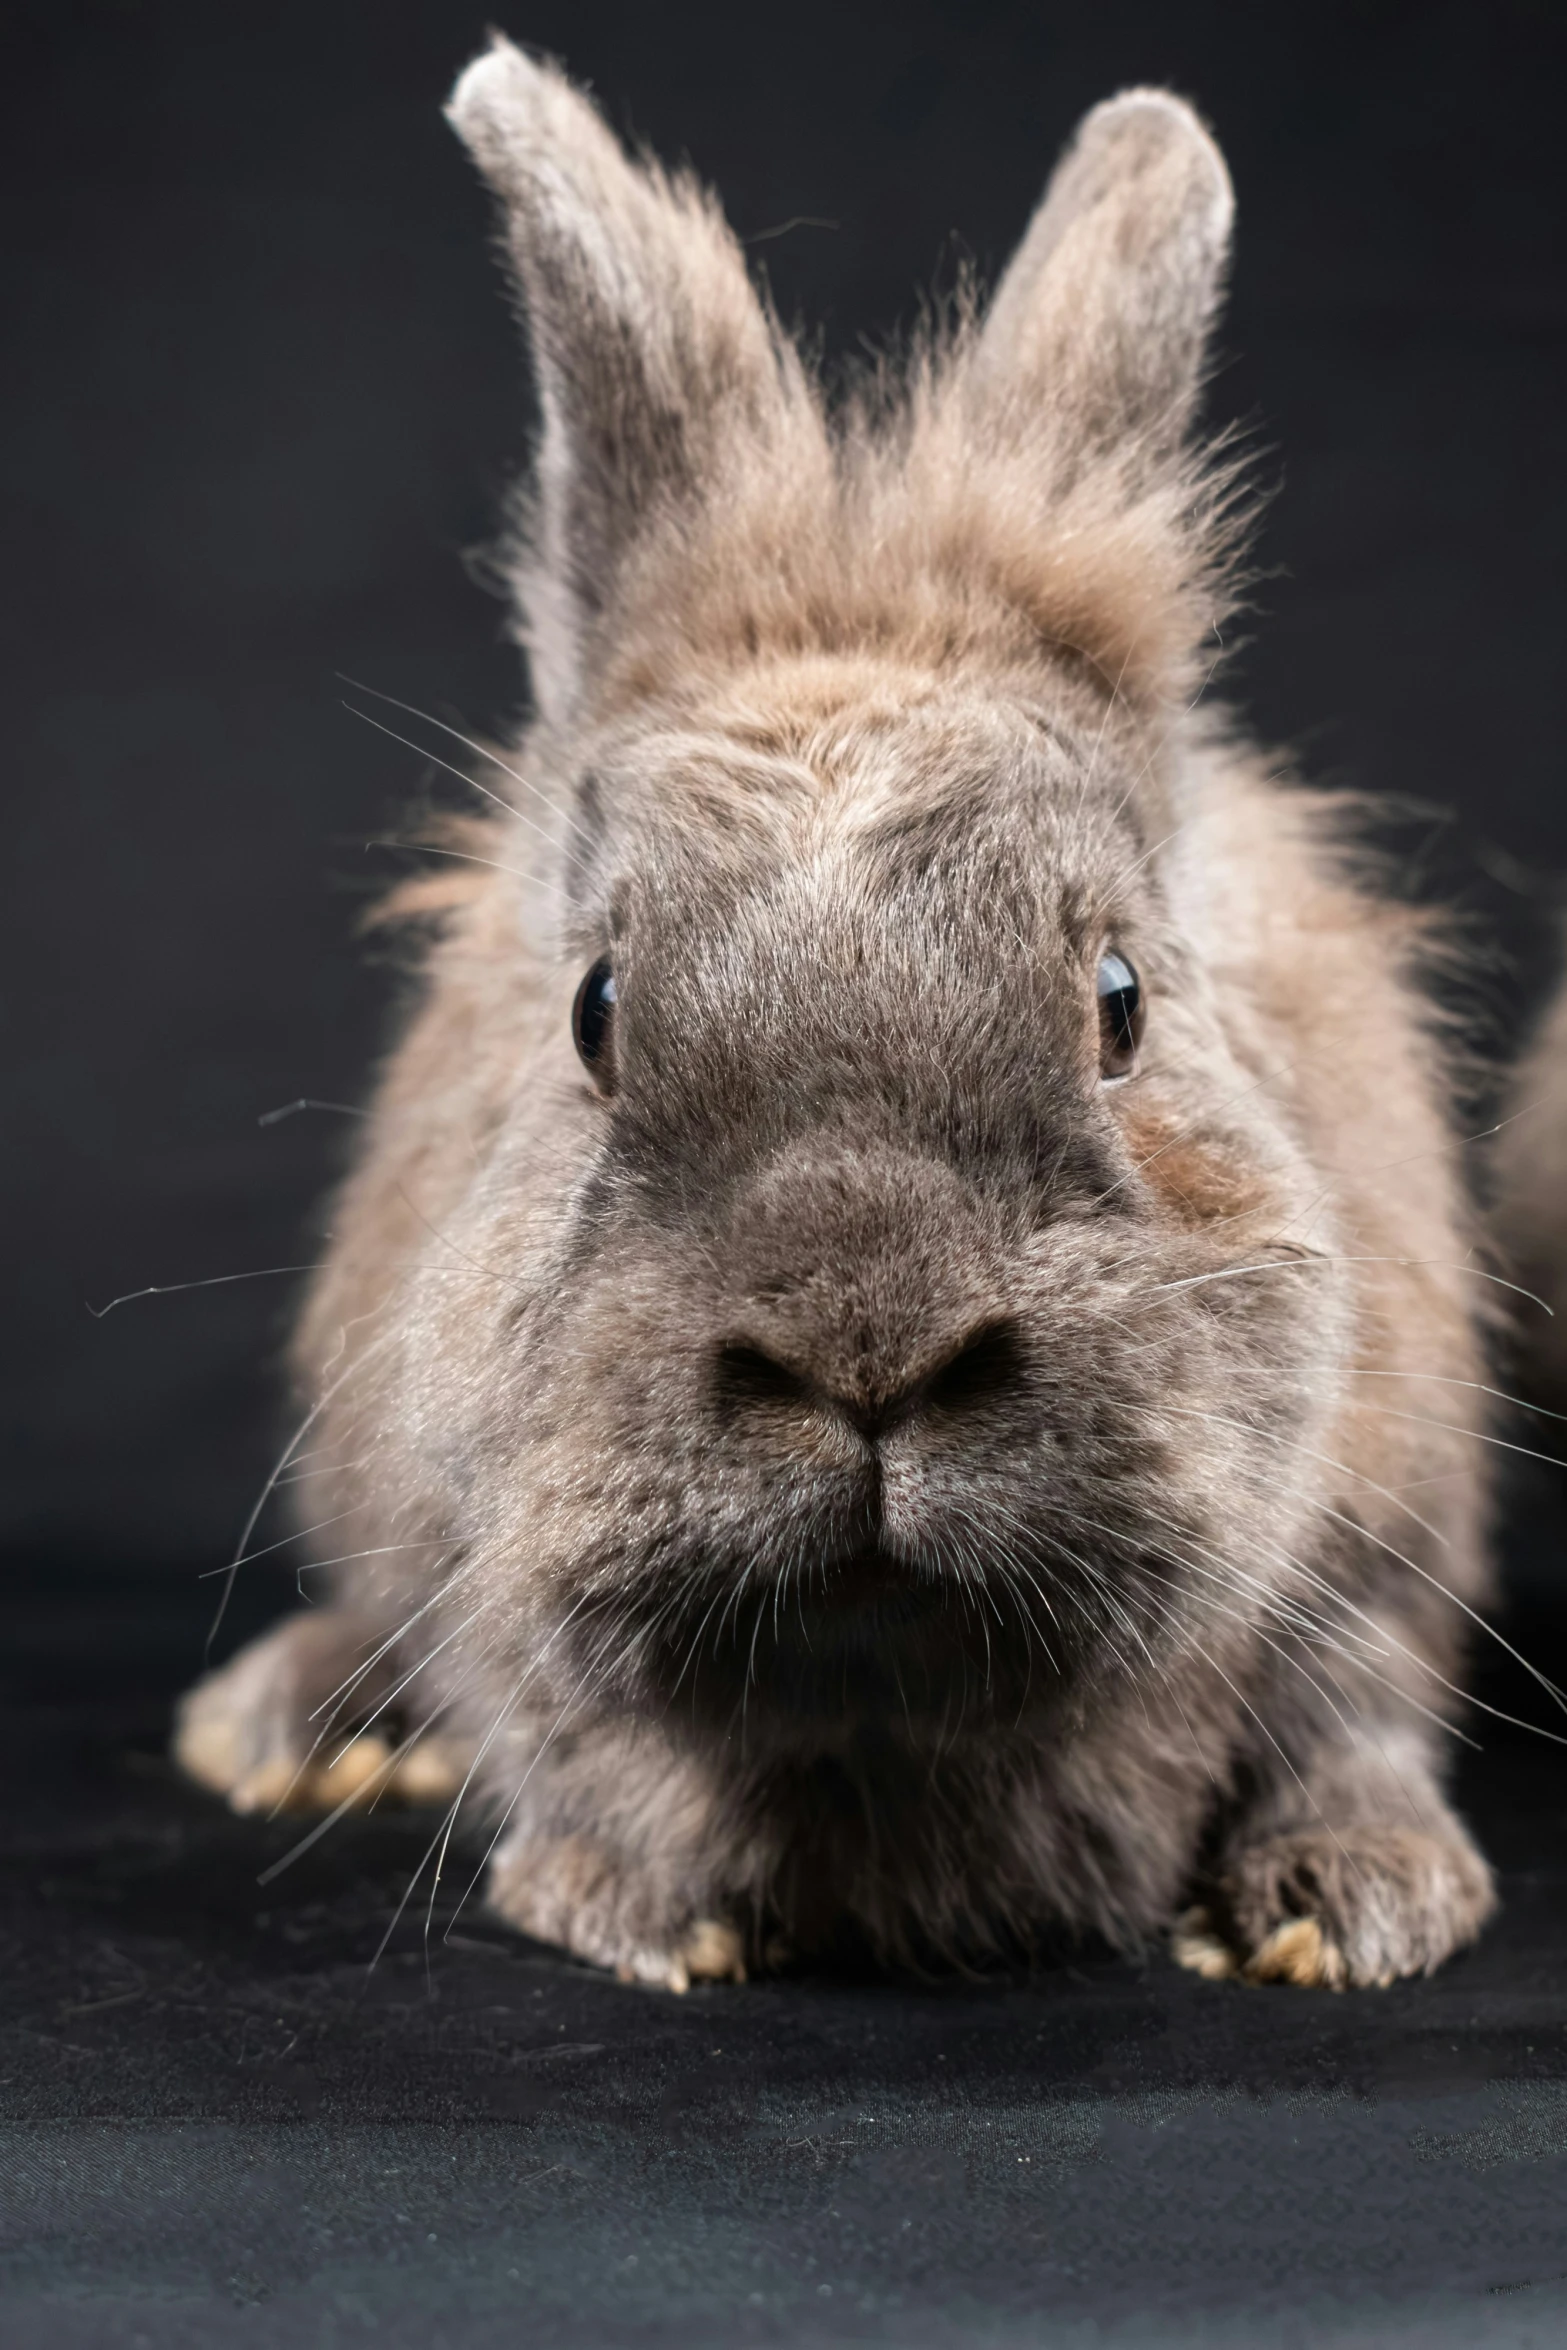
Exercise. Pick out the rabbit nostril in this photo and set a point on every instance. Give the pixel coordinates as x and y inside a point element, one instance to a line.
<point>987,1365</point>
<point>744,1374</point>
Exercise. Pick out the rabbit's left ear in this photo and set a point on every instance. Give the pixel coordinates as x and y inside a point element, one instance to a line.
<point>1097,332</point>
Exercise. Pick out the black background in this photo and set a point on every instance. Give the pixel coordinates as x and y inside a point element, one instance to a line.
<point>264,392</point>
<point>261,395</point>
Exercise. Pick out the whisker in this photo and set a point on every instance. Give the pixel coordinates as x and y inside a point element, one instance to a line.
<point>298,1534</point>
<point>283,1460</point>
<point>490,1272</point>
<point>1464,1608</point>
<point>430,848</point>
<point>1245,1701</point>
<point>313,1836</point>
<point>210,1281</point>
<point>1288,1656</point>
<point>1387,1411</point>
<point>471,781</point>
<point>1332,1257</point>
<point>375,1550</point>
<point>307,1101</point>
<point>442,1836</point>
<point>315,1566</point>
<point>1294,1444</point>
<point>554,1729</point>
<point>482,750</point>
<point>351,1681</point>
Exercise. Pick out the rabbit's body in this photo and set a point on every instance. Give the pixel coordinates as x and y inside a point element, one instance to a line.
<point>871,1455</point>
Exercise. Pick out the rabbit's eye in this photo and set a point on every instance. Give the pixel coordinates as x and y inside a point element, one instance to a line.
<point>1120,1015</point>
<point>592,1023</point>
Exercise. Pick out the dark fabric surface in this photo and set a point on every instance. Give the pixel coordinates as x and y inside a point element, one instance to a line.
<point>220,2124</point>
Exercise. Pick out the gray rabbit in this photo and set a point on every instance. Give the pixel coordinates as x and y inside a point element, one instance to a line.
<point>899,1368</point>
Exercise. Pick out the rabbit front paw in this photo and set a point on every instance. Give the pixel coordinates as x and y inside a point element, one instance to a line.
<point>569,1891</point>
<point>1328,1910</point>
<point>274,1728</point>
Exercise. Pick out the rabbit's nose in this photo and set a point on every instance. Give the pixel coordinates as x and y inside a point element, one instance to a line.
<point>984,1366</point>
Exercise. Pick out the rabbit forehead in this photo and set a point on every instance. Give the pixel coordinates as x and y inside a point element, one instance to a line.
<point>860,980</point>
<point>892,766</point>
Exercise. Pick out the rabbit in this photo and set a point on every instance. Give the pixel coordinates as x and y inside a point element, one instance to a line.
<point>891,1375</point>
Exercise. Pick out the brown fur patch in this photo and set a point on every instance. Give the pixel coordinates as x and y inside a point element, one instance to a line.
<point>1197,1178</point>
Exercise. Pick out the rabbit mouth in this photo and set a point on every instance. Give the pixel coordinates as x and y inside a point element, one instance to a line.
<point>865,1636</point>
<point>872,1581</point>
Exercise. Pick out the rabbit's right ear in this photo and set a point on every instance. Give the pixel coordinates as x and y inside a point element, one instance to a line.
<point>654,356</point>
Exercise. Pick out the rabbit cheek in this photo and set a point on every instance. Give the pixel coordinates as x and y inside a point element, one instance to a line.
<point>1199,1181</point>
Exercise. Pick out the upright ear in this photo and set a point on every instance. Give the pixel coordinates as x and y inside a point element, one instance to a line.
<point>653,354</point>
<point>1097,331</point>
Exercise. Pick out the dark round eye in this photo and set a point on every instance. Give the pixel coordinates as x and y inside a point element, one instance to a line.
<point>1120,1014</point>
<point>593,1022</point>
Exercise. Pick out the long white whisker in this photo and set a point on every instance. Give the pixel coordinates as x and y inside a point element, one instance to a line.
<point>284,1458</point>
<point>442,1836</point>
<point>211,1281</point>
<point>341,1559</point>
<point>483,751</point>
<point>472,782</point>
<point>431,848</point>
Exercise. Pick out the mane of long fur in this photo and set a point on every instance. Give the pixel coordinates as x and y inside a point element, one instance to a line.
<point>908,523</point>
<point>905,522</point>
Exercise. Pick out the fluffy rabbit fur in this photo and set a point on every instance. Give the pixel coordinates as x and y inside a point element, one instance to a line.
<point>857,1468</point>
<point>1532,1198</point>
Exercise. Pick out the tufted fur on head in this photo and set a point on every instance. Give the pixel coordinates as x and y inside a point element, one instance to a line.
<point>871,1443</point>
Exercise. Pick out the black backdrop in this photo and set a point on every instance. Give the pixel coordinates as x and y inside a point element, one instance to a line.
<point>262,392</point>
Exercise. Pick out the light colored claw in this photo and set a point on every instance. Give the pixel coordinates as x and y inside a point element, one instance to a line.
<point>1194,1944</point>
<point>273,1785</point>
<point>431,1771</point>
<point>711,1953</point>
<point>714,1953</point>
<point>354,1776</point>
<point>1298,1952</point>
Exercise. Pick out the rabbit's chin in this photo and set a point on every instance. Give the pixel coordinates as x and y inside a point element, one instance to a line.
<point>869,1640</point>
